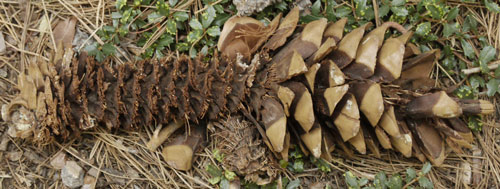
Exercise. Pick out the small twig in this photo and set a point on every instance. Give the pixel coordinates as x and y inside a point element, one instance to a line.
<point>493,65</point>
<point>205,8</point>
<point>396,26</point>
<point>375,10</point>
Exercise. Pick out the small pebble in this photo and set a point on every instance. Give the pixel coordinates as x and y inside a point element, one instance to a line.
<point>88,182</point>
<point>92,172</point>
<point>59,161</point>
<point>2,44</point>
<point>72,175</point>
<point>15,156</point>
<point>3,73</point>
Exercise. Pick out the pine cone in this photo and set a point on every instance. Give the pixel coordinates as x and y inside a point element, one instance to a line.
<point>320,86</point>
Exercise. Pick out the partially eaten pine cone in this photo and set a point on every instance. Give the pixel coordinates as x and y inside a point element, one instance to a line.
<point>325,88</point>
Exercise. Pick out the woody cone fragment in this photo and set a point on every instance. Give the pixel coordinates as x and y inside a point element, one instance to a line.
<point>180,152</point>
<point>314,85</point>
<point>301,108</point>
<point>346,117</point>
<point>369,97</point>
<point>274,120</point>
<point>437,104</point>
<point>430,142</point>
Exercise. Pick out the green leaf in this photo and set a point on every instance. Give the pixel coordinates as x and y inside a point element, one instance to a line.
<point>399,11</point>
<point>380,180</point>
<point>218,155</point>
<point>383,10</point>
<point>91,49</point>
<point>316,7</point>
<point>120,4</point>
<point>182,47</point>
<point>330,11</point>
<point>321,164</point>
<point>450,29</point>
<point>436,11</point>
<point>342,11</point>
<point>181,16</point>
<point>410,174</point>
<point>484,68</point>
<point>283,163</point>
<point>468,49</point>
<point>99,56</point>
<point>171,27</point>
<point>395,181</point>
<point>108,49</point>
<point>282,6</point>
<point>452,14</point>
<point>208,16</point>
<point>487,54</point>
<point>116,15</point>
<point>126,16</point>
<point>475,123</point>
<point>492,6</point>
<point>221,18</point>
<point>194,36</point>
<point>395,3</point>
<point>309,18</point>
<point>426,168</point>
<point>294,183</point>
<point>469,23</point>
<point>195,24</point>
<point>108,29</point>
<point>361,7</point>
<point>492,86</point>
<point>154,17</point>
<point>476,81</point>
<point>219,8</point>
<point>298,166</point>
<point>213,31</point>
<point>215,174</point>
<point>369,14</point>
<point>166,41</point>
<point>297,154</point>
<point>123,30</point>
<point>423,29</point>
<point>162,7</point>
<point>284,182</point>
<point>363,181</point>
<point>484,41</point>
<point>193,52</point>
<point>137,3</point>
<point>497,72</point>
<point>351,180</point>
<point>464,92</point>
<point>424,182</point>
<point>229,175</point>
<point>172,2</point>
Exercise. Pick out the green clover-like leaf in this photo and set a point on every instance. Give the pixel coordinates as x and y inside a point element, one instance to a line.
<point>492,6</point>
<point>195,24</point>
<point>213,31</point>
<point>426,168</point>
<point>492,86</point>
<point>468,49</point>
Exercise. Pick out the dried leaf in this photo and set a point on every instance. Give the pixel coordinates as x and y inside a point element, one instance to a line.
<point>44,24</point>
<point>64,32</point>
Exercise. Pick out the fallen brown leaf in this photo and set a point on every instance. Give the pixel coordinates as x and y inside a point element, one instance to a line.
<point>64,32</point>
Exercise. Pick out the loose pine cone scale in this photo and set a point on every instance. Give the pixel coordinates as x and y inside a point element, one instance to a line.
<point>323,87</point>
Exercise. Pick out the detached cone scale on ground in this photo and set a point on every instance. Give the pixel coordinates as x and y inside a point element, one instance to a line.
<point>313,82</point>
